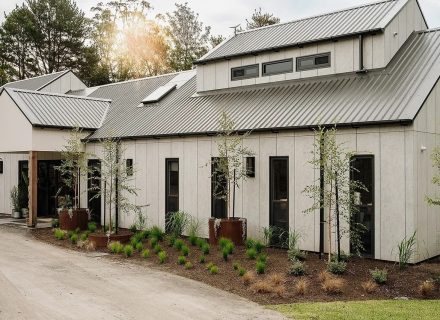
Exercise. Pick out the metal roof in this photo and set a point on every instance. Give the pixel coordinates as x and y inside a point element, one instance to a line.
<point>58,110</point>
<point>36,83</point>
<point>361,19</point>
<point>392,94</point>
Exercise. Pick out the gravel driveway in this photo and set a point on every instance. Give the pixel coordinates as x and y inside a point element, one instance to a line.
<point>40,281</point>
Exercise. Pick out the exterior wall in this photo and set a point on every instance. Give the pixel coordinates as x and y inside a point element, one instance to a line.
<point>393,180</point>
<point>50,139</point>
<point>64,84</point>
<point>9,178</point>
<point>426,135</point>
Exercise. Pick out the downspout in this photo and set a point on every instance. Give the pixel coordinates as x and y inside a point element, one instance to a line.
<point>361,55</point>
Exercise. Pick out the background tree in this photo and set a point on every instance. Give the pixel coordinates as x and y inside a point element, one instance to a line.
<point>216,40</point>
<point>188,38</point>
<point>337,197</point>
<point>260,19</point>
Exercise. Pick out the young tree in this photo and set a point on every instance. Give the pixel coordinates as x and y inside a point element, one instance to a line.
<point>229,165</point>
<point>260,19</point>
<point>216,40</point>
<point>435,200</point>
<point>337,197</point>
<point>188,38</point>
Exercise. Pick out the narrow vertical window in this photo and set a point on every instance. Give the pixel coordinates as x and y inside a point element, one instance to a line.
<point>129,167</point>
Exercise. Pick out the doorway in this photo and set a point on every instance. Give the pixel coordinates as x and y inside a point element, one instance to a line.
<point>279,199</point>
<point>219,183</point>
<point>93,187</point>
<point>363,172</point>
<point>49,184</point>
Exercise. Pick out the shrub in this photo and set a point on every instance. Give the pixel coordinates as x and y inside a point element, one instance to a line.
<point>128,250</point>
<point>202,258</point>
<point>176,223</point>
<point>213,269</point>
<point>145,253</point>
<point>406,250</point>
<point>91,226</point>
<point>60,234</point>
<point>153,242</point>
<point>185,250</point>
<point>260,267</point>
<point>74,238</point>
<point>369,286</point>
<point>258,246</point>
<point>251,253</point>
<point>262,257</point>
<point>139,247</point>
<point>297,268</point>
<point>241,271</point>
<point>84,236</point>
<point>157,232</point>
<point>162,255</point>
<point>235,265</point>
<point>222,242</point>
<point>55,223</point>
<point>296,254</point>
<point>337,267</point>
<point>115,247</point>
<point>426,288</point>
<point>379,276</point>
<point>178,244</point>
<point>333,285</point>
<point>342,257</point>
<point>301,287</point>
<point>188,265</point>
<point>205,248</point>
<point>181,260</point>
<point>157,248</point>
<point>225,253</point>
<point>248,278</point>
<point>249,243</point>
<point>230,247</point>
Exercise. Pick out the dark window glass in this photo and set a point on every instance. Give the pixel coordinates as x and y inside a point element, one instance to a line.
<point>172,185</point>
<point>279,199</point>
<point>245,72</point>
<point>129,167</point>
<point>218,184</point>
<point>276,67</point>
<point>250,166</point>
<point>313,62</point>
<point>1,167</point>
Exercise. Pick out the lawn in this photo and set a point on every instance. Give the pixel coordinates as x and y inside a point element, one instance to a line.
<point>359,310</point>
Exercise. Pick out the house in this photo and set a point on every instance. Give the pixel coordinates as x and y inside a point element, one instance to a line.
<point>373,70</point>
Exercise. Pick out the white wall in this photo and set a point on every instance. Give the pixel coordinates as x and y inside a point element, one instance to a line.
<point>9,178</point>
<point>64,84</point>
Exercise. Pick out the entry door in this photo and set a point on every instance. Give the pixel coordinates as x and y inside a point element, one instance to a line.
<point>94,185</point>
<point>279,199</point>
<point>172,186</point>
<point>49,183</point>
<point>219,209</point>
<point>363,171</point>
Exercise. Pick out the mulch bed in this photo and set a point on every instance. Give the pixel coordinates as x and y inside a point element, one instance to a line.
<point>401,283</point>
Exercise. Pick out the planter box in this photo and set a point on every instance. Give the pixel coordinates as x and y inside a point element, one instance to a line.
<point>101,240</point>
<point>234,229</point>
<point>79,219</point>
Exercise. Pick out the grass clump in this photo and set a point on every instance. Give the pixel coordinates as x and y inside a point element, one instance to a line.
<point>185,250</point>
<point>426,288</point>
<point>139,247</point>
<point>74,238</point>
<point>225,254</point>
<point>337,267</point>
<point>260,267</point>
<point>145,253</point>
<point>406,250</point>
<point>235,265</point>
<point>154,241</point>
<point>213,269</point>
<point>369,286</point>
<point>60,234</point>
<point>205,248</point>
<point>115,247</point>
<point>91,226</point>
<point>84,236</point>
<point>157,232</point>
<point>181,260</point>
<point>297,268</point>
<point>202,258</point>
<point>251,253</point>
<point>178,244</point>
<point>128,250</point>
<point>171,240</point>
<point>274,283</point>
<point>379,276</point>
<point>188,265</point>
<point>333,285</point>
<point>248,278</point>
<point>301,287</point>
<point>249,243</point>
<point>259,246</point>
<point>157,248</point>
<point>177,222</point>
<point>193,230</point>
<point>209,265</point>
<point>162,255</point>
<point>262,257</point>
<point>241,271</point>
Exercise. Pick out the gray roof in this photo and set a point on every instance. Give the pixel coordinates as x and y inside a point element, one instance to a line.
<point>58,110</point>
<point>393,94</point>
<point>36,83</point>
<point>361,19</point>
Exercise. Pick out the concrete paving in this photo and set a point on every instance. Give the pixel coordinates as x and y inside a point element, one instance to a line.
<point>40,281</point>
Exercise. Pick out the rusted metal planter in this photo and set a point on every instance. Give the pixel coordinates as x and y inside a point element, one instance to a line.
<point>78,218</point>
<point>234,229</point>
<point>101,240</point>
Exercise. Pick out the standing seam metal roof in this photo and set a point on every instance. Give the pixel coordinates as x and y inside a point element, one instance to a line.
<point>56,110</point>
<point>35,83</point>
<point>356,20</point>
<point>392,94</point>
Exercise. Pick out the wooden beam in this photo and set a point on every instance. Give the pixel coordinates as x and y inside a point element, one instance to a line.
<point>33,185</point>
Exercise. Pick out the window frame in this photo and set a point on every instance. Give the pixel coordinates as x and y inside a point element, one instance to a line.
<point>245,67</point>
<point>314,56</point>
<point>266,74</point>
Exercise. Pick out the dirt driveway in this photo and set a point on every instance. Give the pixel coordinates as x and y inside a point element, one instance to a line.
<point>39,281</point>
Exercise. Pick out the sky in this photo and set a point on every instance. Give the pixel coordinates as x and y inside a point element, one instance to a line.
<point>223,14</point>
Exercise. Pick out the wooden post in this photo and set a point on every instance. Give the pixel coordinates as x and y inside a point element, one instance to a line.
<point>33,185</point>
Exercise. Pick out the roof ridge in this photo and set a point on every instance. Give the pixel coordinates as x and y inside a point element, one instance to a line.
<point>36,77</point>
<point>61,95</point>
<point>318,15</point>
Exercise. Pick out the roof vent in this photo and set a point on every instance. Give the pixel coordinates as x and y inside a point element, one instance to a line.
<point>159,93</point>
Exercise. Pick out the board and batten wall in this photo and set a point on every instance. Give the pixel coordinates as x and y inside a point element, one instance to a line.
<point>392,147</point>
<point>66,83</point>
<point>379,49</point>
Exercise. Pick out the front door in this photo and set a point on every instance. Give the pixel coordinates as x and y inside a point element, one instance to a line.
<point>363,172</point>
<point>219,183</point>
<point>279,199</point>
<point>93,194</point>
<point>172,186</point>
<point>49,184</point>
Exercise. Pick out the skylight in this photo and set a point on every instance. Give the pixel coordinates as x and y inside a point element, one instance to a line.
<point>159,93</point>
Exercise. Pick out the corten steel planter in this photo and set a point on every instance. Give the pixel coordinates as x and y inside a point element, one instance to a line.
<point>101,240</point>
<point>234,229</point>
<point>79,219</point>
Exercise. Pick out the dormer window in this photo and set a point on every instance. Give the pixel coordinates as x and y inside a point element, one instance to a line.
<point>277,67</point>
<point>245,72</point>
<point>315,61</point>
